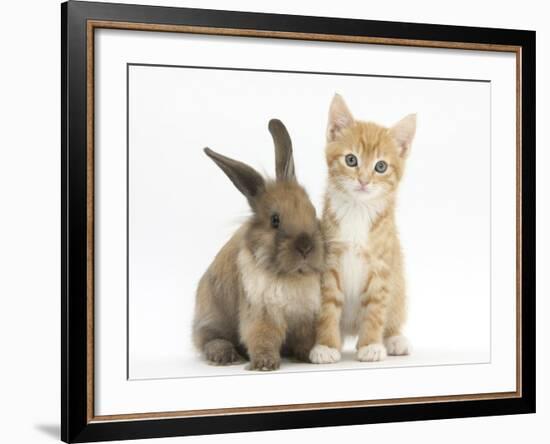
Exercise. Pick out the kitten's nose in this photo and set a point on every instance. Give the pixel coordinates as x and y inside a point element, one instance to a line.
<point>363,182</point>
<point>303,244</point>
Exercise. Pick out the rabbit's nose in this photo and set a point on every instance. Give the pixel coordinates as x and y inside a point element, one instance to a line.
<point>304,244</point>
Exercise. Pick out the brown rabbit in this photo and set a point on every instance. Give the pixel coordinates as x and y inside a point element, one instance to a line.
<point>261,294</point>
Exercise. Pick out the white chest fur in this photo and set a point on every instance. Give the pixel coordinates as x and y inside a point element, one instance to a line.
<point>354,220</point>
<point>292,298</point>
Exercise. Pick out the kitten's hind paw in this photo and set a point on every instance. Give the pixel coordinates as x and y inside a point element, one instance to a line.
<point>397,345</point>
<point>371,353</point>
<point>321,354</point>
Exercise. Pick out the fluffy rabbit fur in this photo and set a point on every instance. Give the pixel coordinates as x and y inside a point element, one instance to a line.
<point>260,297</point>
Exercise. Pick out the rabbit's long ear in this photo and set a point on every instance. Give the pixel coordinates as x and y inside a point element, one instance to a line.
<point>247,180</point>
<point>284,160</point>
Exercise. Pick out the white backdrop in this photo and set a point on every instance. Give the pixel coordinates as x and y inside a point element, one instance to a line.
<point>29,256</point>
<point>183,208</point>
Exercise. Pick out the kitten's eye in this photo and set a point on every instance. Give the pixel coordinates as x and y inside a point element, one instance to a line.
<point>381,167</point>
<point>351,160</point>
<point>275,220</point>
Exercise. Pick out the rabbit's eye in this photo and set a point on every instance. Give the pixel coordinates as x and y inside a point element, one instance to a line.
<point>275,220</point>
<point>351,160</point>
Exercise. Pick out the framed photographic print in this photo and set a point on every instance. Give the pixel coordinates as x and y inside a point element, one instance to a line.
<point>275,221</point>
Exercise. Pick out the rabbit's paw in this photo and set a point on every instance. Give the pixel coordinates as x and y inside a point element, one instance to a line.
<point>264,362</point>
<point>221,352</point>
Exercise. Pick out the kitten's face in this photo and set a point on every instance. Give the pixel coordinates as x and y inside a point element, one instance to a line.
<point>366,160</point>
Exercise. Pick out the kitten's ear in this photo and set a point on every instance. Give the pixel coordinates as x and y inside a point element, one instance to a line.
<point>247,180</point>
<point>284,160</point>
<point>339,118</point>
<point>403,132</point>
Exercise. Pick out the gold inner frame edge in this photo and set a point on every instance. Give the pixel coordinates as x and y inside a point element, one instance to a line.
<point>105,24</point>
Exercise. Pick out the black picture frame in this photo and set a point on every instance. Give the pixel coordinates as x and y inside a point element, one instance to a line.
<point>76,424</point>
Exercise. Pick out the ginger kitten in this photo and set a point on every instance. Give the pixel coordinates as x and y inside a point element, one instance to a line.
<point>363,287</point>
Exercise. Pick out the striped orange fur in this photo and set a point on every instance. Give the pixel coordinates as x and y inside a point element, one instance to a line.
<point>363,287</point>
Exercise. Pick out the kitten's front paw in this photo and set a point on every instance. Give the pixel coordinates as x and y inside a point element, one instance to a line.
<point>264,362</point>
<point>397,345</point>
<point>321,354</point>
<point>371,353</point>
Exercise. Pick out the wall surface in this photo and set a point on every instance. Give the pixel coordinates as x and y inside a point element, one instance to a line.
<point>29,220</point>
